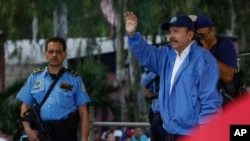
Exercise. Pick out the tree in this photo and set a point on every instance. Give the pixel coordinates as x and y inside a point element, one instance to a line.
<point>2,61</point>
<point>94,75</point>
<point>10,110</point>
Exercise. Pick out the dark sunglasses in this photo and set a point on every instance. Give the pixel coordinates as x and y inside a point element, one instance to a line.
<point>203,35</point>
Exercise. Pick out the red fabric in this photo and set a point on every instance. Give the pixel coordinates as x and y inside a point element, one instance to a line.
<point>130,132</point>
<point>218,128</point>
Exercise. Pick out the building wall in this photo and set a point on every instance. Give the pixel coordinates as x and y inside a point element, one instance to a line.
<point>15,72</point>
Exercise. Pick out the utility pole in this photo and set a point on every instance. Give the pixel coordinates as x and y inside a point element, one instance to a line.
<point>61,23</point>
<point>120,60</point>
<point>2,61</point>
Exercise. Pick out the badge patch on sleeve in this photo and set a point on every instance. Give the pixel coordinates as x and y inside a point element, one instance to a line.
<point>83,88</point>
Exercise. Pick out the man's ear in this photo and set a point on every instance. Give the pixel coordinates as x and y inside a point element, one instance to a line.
<point>213,29</point>
<point>65,54</point>
<point>191,35</point>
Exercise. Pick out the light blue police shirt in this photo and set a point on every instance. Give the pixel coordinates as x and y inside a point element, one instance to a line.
<point>144,82</point>
<point>67,95</point>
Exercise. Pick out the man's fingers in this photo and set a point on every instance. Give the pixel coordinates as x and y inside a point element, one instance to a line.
<point>130,16</point>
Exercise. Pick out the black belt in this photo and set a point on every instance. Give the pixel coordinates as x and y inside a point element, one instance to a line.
<point>51,124</point>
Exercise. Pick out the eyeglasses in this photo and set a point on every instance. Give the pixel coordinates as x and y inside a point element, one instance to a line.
<point>203,35</point>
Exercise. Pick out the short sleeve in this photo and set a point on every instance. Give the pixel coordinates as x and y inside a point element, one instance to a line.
<point>24,94</point>
<point>82,96</point>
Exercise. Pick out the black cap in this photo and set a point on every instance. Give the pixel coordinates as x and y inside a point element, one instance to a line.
<point>179,21</point>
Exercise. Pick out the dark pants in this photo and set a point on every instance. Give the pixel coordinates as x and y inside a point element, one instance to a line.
<point>227,98</point>
<point>63,134</point>
<point>157,132</point>
<point>61,130</point>
<point>171,137</point>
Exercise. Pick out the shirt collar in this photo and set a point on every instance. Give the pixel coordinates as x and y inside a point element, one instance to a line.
<point>46,71</point>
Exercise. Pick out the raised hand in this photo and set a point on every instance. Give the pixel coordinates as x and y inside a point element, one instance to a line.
<point>131,23</point>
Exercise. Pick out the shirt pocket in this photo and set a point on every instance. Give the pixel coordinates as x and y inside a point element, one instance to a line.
<point>65,98</point>
<point>38,93</point>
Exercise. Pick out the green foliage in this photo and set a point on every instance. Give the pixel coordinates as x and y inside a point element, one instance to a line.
<point>245,65</point>
<point>151,14</point>
<point>10,110</point>
<point>84,20</point>
<point>11,13</point>
<point>94,75</point>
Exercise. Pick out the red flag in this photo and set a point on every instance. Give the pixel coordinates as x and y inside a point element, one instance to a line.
<point>218,128</point>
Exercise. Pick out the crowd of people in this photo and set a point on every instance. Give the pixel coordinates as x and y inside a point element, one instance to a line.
<point>5,136</point>
<point>126,134</point>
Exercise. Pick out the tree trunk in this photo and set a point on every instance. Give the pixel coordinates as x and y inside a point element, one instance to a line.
<point>120,61</point>
<point>61,23</point>
<point>140,105</point>
<point>231,31</point>
<point>2,62</point>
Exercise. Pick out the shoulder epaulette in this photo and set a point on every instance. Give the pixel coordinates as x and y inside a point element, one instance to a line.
<point>38,70</point>
<point>71,72</point>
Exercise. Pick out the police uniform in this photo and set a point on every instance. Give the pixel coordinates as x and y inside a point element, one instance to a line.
<point>67,95</point>
<point>156,130</point>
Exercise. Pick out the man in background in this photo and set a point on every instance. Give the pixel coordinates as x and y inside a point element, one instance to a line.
<point>150,85</point>
<point>223,50</point>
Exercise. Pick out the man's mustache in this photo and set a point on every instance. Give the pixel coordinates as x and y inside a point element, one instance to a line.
<point>171,40</point>
<point>53,59</point>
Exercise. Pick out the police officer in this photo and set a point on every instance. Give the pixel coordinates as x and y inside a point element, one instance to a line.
<point>67,98</point>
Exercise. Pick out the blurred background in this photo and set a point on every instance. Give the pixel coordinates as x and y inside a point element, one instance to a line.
<point>97,48</point>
